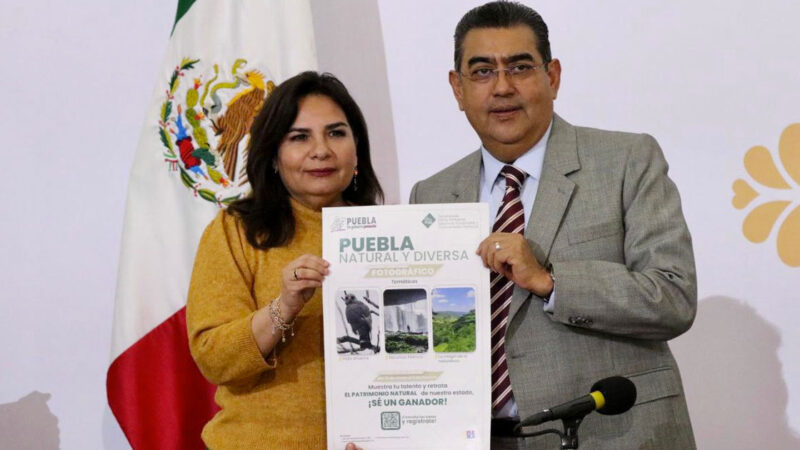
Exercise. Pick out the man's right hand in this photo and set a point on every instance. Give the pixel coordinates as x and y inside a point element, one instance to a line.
<point>510,255</point>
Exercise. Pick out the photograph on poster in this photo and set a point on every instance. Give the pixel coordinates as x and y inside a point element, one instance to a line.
<point>453,319</point>
<point>358,322</point>
<point>405,318</point>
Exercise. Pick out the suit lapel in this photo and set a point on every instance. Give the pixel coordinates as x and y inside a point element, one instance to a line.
<point>552,197</point>
<point>466,188</point>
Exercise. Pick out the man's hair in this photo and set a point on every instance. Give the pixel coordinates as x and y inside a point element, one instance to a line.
<point>502,14</point>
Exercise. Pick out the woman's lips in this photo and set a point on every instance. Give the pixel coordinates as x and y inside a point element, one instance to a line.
<point>321,172</point>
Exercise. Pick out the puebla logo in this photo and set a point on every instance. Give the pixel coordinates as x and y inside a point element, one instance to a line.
<point>204,125</point>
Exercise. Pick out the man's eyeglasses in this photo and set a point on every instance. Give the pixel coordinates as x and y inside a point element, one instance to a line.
<point>514,72</point>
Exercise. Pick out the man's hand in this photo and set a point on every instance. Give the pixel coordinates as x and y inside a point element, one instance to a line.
<point>510,255</point>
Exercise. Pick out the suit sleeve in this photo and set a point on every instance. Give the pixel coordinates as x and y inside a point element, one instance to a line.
<point>220,307</point>
<point>653,295</point>
<point>412,198</point>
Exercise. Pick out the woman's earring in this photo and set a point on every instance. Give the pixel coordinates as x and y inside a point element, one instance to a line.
<point>355,178</point>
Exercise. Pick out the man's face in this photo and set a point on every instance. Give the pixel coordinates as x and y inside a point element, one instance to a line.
<point>509,113</point>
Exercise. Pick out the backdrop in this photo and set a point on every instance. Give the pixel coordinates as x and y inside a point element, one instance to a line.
<point>715,82</point>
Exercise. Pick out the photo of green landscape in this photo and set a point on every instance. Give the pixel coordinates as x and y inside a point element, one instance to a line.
<point>453,319</point>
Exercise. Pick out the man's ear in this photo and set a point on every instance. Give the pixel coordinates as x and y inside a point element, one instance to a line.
<point>455,83</point>
<point>554,73</point>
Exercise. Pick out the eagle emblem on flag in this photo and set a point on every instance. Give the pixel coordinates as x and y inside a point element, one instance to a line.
<point>204,126</point>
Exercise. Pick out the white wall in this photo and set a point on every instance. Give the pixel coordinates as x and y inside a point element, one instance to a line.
<point>76,78</point>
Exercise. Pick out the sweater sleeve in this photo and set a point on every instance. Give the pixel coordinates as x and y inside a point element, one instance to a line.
<point>220,307</point>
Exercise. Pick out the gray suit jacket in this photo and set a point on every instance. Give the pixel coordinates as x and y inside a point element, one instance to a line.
<point>609,220</point>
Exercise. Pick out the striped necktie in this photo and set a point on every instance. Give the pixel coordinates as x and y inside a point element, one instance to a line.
<point>510,219</point>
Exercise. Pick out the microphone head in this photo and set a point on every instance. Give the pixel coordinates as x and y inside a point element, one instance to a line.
<point>619,394</point>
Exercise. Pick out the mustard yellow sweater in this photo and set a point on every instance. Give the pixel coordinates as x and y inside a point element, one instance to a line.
<point>272,403</point>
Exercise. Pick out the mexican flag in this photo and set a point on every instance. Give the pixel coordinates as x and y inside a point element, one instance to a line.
<point>223,59</point>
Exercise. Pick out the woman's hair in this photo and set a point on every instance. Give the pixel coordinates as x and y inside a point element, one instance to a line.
<point>266,212</point>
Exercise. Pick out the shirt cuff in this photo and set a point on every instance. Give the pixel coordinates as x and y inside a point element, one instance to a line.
<point>550,305</point>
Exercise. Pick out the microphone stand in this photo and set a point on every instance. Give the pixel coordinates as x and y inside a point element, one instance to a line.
<point>569,438</point>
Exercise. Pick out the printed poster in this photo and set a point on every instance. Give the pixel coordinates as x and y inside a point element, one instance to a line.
<point>406,327</point>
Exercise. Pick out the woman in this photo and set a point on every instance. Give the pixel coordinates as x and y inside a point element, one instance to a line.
<point>254,315</point>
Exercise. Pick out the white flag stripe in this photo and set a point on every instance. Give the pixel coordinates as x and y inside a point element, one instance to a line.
<point>164,219</point>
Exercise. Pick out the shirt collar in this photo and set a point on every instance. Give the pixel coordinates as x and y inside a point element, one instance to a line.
<point>531,161</point>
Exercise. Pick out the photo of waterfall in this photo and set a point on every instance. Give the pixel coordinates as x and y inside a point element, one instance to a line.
<point>406,320</point>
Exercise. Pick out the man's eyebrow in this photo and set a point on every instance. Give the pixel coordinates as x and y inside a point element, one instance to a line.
<point>480,59</point>
<point>519,57</point>
<point>525,56</point>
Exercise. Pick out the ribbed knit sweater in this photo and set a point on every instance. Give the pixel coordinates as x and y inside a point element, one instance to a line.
<point>267,403</point>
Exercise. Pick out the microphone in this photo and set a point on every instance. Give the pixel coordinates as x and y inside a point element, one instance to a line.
<point>609,396</point>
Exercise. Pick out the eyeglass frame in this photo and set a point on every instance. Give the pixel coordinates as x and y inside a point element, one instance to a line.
<point>510,76</point>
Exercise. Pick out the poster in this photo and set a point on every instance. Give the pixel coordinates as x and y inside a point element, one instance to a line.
<point>406,327</point>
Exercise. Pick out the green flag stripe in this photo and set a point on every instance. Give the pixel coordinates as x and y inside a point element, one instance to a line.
<point>183,6</point>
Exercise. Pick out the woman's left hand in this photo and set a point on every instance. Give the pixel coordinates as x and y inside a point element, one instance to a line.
<point>301,278</point>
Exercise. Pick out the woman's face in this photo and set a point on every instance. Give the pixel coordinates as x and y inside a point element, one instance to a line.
<point>317,156</point>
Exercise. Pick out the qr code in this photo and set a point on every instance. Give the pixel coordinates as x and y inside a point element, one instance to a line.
<point>390,420</point>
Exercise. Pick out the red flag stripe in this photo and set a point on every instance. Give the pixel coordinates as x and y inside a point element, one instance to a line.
<point>157,393</point>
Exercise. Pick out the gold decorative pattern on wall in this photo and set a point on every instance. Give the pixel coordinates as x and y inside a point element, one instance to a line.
<point>775,195</point>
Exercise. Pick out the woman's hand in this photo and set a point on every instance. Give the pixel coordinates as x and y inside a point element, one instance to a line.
<point>301,278</point>
<point>351,446</point>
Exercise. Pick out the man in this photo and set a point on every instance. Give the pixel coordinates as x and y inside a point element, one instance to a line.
<point>592,261</point>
